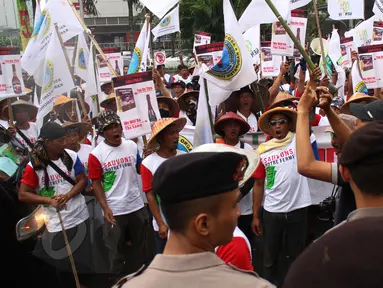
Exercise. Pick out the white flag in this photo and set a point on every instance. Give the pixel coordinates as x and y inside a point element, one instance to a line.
<point>168,25</point>
<point>358,84</point>
<point>203,133</point>
<point>57,78</point>
<point>362,34</point>
<point>159,8</point>
<point>298,3</point>
<point>334,51</point>
<point>235,69</point>
<point>141,51</point>
<point>92,85</point>
<point>345,9</point>
<point>82,57</point>
<point>258,12</point>
<point>55,11</point>
<point>378,9</point>
<point>253,42</point>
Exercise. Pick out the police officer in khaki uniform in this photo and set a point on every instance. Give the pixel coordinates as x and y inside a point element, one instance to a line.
<point>199,195</point>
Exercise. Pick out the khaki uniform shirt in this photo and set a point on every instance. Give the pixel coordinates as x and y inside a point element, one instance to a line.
<point>193,270</point>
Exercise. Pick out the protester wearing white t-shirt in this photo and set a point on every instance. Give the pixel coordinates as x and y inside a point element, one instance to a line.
<point>112,168</point>
<point>165,136</point>
<point>245,103</point>
<point>230,127</point>
<point>285,192</point>
<point>43,184</point>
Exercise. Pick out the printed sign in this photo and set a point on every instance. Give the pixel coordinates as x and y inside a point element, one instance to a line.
<point>371,65</point>
<point>160,58</point>
<point>271,64</point>
<point>346,50</point>
<point>377,33</point>
<point>114,58</point>
<point>201,38</point>
<point>209,54</point>
<point>138,103</point>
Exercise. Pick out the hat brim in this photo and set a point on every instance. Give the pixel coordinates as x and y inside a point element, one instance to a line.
<point>68,106</point>
<point>173,105</point>
<point>108,102</point>
<point>278,103</point>
<point>180,124</point>
<point>252,157</point>
<point>83,127</point>
<point>181,100</point>
<point>345,109</point>
<point>219,125</point>
<point>263,122</point>
<point>32,110</point>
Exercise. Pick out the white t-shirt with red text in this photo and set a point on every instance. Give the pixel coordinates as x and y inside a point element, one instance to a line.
<point>116,166</point>
<point>148,167</point>
<point>31,133</point>
<point>76,210</point>
<point>83,154</point>
<point>252,121</point>
<point>285,189</point>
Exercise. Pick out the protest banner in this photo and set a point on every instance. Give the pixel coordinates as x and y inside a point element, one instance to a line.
<point>271,64</point>
<point>298,25</point>
<point>209,54</point>
<point>377,33</point>
<point>115,60</point>
<point>159,58</point>
<point>139,107</point>
<point>168,25</point>
<point>345,9</point>
<point>253,42</point>
<point>371,65</point>
<point>201,38</point>
<point>346,50</point>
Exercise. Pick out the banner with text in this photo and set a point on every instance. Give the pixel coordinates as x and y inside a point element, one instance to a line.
<point>271,64</point>
<point>371,65</point>
<point>346,50</point>
<point>115,60</point>
<point>138,103</point>
<point>209,54</point>
<point>201,38</point>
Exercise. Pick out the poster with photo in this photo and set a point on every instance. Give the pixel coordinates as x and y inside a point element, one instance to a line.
<point>115,60</point>
<point>138,103</point>
<point>201,38</point>
<point>371,65</point>
<point>298,25</point>
<point>377,33</point>
<point>346,45</point>
<point>209,54</point>
<point>270,64</point>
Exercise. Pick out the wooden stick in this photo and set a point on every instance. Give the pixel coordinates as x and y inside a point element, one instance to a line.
<point>320,37</point>
<point>151,39</point>
<point>74,53</point>
<point>72,264</point>
<point>79,95</point>
<point>10,113</point>
<point>209,110</point>
<point>95,43</point>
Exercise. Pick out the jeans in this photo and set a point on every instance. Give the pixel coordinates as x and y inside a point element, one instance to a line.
<point>285,237</point>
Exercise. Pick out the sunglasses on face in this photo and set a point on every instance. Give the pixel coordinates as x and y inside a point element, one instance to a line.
<point>280,121</point>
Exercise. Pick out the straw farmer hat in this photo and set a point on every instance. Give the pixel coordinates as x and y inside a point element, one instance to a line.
<point>357,98</point>
<point>263,122</point>
<point>173,105</point>
<point>67,106</point>
<point>60,101</point>
<point>83,127</point>
<point>220,123</point>
<point>32,109</point>
<point>160,125</point>
<point>111,100</point>
<point>181,100</point>
<point>281,98</point>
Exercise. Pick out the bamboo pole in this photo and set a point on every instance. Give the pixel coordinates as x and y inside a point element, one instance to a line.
<point>291,34</point>
<point>79,95</point>
<point>320,36</point>
<point>91,37</point>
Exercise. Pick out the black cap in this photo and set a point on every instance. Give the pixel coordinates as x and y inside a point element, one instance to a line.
<point>368,112</point>
<point>52,131</point>
<point>349,256</point>
<point>198,175</point>
<point>364,145</point>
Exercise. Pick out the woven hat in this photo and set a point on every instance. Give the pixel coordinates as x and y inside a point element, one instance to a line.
<point>67,106</point>
<point>173,105</point>
<point>161,125</point>
<point>60,100</point>
<point>349,120</point>
<point>83,127</point>
<point>281,98</point>
<point>32,109</point>
<point>232,103</point>
<point>220,123</point>
<point>111,100</point>
<point>181,100</point>
<point>263,122</point>
<point>106,118</point>
<point>357,98</point>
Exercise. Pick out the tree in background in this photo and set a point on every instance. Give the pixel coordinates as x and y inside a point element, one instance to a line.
<point>131,5</point>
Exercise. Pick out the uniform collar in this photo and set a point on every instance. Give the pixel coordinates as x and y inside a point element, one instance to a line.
<point>182,263</point>
<point>364,213</point>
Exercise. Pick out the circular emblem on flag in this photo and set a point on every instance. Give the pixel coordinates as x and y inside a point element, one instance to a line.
<point>48,76</point>
<point>249,46</point>
<point>184,144</point>
<point>160,58</point>
<point>81,59</point>
<point>166,21</point>
<point>231,62</point>
<point>135,63</point>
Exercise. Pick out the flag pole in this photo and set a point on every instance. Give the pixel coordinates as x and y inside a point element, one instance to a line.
<point>320,36</point>
<point>209,110</point>
<point>79,95</point>
<point>291,34</point>
<point>150,36</point>
<point>91,37</point>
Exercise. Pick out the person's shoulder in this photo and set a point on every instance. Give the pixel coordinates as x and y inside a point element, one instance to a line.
<point>72,154</point>
<point>147,160</point>
<point>247,146</point>
<point>129,143</point>
<point>86,147</point>
<point>180,152</point>
<point>127,280</point>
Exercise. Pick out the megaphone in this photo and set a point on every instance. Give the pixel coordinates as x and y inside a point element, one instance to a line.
<point>315,46</point>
